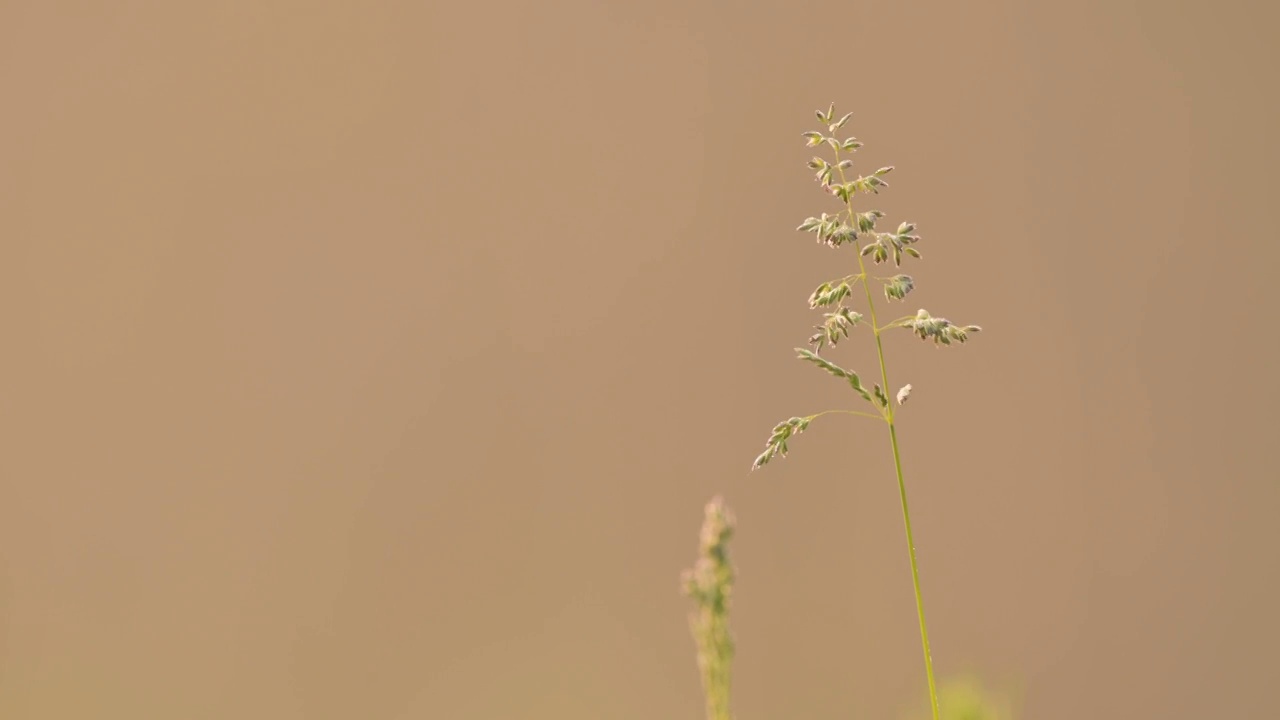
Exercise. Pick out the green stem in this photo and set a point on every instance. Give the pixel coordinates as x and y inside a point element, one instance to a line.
<point>846,412</point>
<point>897,464</point>
<point>915,571</point>
<point>895,323</point>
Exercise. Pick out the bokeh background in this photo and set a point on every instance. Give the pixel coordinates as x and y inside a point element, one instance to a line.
<point>376,359</point>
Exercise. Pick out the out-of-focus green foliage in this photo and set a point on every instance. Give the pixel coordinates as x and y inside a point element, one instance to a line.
<point>966,699</point>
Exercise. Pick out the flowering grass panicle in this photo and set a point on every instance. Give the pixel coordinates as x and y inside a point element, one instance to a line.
<point>710,584</point>
<point>859,231</point>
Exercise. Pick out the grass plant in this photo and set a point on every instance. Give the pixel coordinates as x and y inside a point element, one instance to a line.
<point>858,231</point>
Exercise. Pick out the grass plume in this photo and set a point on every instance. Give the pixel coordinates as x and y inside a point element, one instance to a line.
<point>858,230</point>
<point>710,584</point>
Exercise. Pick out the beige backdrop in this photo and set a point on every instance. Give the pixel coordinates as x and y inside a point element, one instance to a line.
<point>374,360</point>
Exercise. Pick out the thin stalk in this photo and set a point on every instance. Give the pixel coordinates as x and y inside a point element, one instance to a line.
<point>915,572</point>
<point>897,460</point>
<point>846,412</point>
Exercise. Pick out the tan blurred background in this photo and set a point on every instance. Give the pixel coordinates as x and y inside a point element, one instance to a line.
<point>374,360</point>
